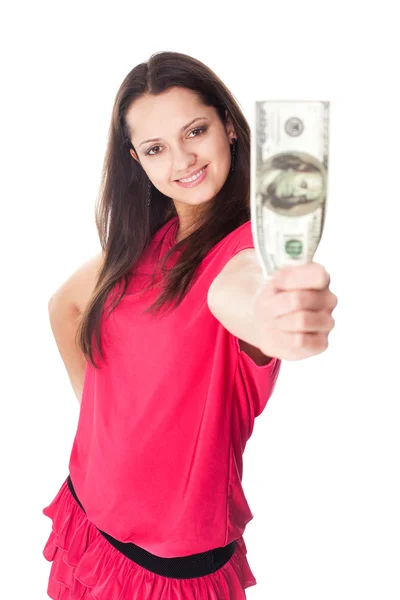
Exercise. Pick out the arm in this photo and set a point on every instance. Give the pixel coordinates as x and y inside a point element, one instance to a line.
<point>230,298</point>
<point>64,321</point>
<point>66,307</point>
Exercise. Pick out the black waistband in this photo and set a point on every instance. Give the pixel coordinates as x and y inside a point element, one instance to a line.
<point>183,567</point>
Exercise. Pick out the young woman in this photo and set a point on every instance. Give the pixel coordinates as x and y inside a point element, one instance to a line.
<point>173,366</point>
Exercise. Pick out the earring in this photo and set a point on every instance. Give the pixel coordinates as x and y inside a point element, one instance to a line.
<point>234,144</point>
<point>148,192</point>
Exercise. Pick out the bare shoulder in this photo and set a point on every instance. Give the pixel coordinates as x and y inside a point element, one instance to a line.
<point>78,288</point>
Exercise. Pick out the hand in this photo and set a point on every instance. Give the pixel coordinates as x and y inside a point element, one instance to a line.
<point>293,311</point>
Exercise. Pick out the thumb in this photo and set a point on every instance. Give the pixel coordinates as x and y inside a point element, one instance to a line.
<point>276,278</point>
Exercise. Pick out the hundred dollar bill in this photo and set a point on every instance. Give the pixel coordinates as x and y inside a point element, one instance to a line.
<point>289,178</point>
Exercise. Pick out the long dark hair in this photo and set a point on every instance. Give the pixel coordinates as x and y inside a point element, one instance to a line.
<point>124,221</point>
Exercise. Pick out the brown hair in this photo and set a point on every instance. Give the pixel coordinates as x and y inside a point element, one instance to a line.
<point>126,224</point>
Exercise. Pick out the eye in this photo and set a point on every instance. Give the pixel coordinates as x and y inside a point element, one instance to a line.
<point>303,184</point>
<point>148,153</point>
<point>200,129</point>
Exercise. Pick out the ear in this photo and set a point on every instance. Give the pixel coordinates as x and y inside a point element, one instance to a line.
<point>230,129</point>
<point>134,155</point>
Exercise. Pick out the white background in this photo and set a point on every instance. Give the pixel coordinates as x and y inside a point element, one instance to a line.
<point>321,471</point>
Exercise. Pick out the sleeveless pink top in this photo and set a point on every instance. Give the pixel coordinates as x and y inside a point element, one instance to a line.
<point>163,424</point>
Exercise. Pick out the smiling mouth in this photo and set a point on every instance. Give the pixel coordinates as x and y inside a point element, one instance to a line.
<point>190,176</point>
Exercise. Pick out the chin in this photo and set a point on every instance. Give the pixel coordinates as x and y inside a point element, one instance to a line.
<point>198,201</point>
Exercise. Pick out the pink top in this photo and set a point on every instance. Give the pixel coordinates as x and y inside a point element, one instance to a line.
<point>163,424</point>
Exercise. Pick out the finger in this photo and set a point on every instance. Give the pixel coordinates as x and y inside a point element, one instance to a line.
<point>290,302</point>
<point>308,276</point>
<point>306,321</point>
<point>311,343</point>
<point>303,345</point>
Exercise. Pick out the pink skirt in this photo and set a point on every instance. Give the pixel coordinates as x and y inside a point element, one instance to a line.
<point>86,566</point>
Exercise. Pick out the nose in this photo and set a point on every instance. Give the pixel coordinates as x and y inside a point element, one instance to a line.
<point>182,160</point>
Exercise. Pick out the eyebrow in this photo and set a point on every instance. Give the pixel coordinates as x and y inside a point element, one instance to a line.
<point>182,129</point>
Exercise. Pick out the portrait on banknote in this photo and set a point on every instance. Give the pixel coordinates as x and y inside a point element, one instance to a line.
<point>291,183</point>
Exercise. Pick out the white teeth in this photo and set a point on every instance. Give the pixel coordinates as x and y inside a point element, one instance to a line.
<point>192,178</point>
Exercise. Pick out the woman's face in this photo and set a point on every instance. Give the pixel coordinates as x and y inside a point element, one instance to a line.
<point>183,146</point>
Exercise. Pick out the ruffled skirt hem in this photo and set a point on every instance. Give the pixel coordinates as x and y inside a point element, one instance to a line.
<point>86,566</point>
